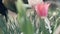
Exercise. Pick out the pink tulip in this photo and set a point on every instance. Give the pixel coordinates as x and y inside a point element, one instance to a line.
<point>42,9</point>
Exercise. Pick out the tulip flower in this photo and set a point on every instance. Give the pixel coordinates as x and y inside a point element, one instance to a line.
<point>42,11</point>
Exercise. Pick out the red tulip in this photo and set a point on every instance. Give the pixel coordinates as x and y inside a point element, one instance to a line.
<point>42,9</point>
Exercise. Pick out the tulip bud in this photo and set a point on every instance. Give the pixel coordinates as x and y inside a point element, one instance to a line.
<point>42,9</point>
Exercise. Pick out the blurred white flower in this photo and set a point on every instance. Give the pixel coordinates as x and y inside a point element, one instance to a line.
<point>34,2</point>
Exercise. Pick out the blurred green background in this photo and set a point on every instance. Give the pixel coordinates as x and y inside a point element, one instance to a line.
<point>24,20</point>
